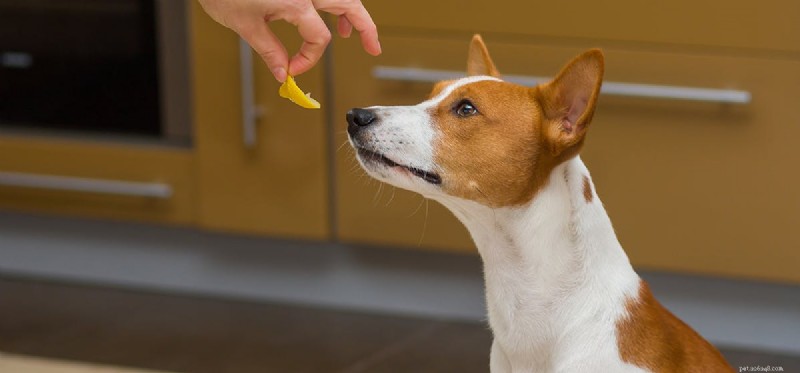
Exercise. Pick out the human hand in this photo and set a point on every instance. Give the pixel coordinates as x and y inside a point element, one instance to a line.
<point>250,18</point>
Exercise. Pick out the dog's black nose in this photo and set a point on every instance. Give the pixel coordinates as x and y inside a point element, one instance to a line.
<point>357,118</point>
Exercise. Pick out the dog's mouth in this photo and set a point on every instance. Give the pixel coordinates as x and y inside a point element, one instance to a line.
<point>375,157</point>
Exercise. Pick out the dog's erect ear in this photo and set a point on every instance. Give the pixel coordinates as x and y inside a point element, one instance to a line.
<point>478,60</point>
<point>569,100</point>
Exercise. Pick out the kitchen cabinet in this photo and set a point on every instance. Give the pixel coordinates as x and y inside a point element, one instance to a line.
<point>275,183</point>
<point>694,181</point>
<point>692,184</point>
<point>81,130</point>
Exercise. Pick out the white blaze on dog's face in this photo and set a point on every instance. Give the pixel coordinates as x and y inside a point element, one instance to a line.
<point>480,138</point>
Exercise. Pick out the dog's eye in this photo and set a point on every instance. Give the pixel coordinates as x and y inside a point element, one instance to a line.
<point>465,108</point>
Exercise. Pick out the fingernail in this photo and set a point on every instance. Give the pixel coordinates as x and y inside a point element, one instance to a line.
<point>380,50</point>
<point>280,74</point>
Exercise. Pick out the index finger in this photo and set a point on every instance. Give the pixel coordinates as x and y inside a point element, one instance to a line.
<point>316,37</point>
<point>358,16</point>
<point>362,22</point>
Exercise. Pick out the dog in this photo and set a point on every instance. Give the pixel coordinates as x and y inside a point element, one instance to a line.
<point>561,293</point>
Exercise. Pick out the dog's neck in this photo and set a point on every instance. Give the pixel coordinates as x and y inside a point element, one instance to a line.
<point>552,267</point>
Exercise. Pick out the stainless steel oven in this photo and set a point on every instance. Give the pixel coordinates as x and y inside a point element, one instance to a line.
<point>95,67</point>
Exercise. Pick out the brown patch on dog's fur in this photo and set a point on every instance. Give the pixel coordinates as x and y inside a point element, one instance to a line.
<point>587,189</point>
<point>653,338</point>
<point>494,157</point>
<point>505,154</point>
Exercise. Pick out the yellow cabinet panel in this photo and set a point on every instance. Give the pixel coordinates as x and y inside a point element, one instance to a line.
<point>279,186</point>
<point>690,186</point>
<point>773,25</point>
<point>102,162</point>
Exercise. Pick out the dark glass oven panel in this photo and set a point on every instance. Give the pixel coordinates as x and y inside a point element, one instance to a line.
<point>85,65</point>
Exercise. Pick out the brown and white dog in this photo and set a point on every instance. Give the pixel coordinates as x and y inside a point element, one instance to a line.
<point>561,293</point>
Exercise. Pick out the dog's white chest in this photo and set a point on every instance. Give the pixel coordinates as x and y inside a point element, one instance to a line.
<point>553,298</point>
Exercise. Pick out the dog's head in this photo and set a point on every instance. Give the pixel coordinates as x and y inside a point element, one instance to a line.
<point>480,138</point>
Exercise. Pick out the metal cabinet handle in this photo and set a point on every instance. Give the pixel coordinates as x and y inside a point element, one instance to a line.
<point>250,111</point>
<point>79,184</point>
<point>609,88</point>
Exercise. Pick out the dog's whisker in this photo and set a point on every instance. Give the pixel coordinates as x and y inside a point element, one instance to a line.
<point>342,146</point>
<point>424,223</point>
<point>377,195</point>
<point>391,198</point>
<point>422,200</point>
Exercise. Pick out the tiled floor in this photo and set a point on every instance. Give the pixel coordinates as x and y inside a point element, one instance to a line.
<point>197,335</point>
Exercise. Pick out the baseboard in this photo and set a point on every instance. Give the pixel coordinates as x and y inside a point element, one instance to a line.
<point>733,313</point>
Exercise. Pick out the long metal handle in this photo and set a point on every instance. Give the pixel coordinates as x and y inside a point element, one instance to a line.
<point>79,184</point>
<point>250,112</point>
<point>609,88</point>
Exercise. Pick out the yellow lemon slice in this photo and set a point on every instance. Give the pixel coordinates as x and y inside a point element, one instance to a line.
<point>290,90</point>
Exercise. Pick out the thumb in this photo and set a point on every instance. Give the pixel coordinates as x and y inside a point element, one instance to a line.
<point>270,49</point>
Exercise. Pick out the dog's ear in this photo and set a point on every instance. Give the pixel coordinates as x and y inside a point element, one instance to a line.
<point>478,60</point>
<point>568,101</point>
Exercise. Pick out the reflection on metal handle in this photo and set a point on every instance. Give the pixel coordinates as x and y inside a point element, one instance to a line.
<point>609,88</point>
<point>249,110</point>
<point>78,184</point>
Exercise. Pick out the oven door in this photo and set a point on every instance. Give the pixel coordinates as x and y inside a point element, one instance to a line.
<point>79,65</point>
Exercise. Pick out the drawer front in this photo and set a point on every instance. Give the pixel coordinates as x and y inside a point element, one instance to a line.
<point>118,181</point>
<point>773,25</point>
<point>699,187</point>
